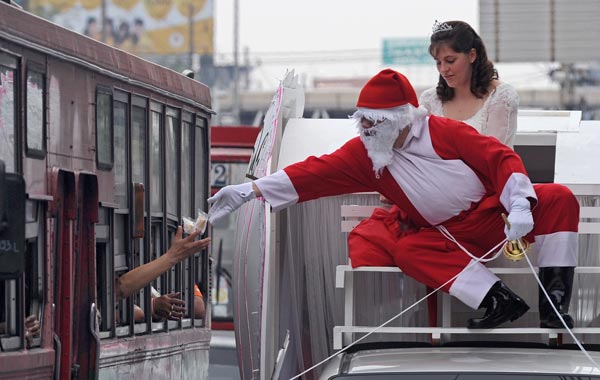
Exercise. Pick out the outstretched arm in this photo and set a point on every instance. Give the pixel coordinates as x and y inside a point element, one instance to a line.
<point>347,170</point>
<point>181,248</point>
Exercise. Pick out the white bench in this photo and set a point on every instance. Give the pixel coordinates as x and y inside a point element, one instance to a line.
<point>344,335</point>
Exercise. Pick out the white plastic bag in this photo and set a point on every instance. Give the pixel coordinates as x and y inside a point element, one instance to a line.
<point>190,226</point>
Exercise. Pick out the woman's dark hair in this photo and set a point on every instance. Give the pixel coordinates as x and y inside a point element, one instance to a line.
<point>462,38</point>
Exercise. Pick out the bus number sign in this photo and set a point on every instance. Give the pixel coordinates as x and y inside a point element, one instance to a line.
<point>8,246</point>
<point>220,175</point>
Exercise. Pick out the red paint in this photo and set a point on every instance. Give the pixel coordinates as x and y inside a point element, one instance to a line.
<point>241,136</point>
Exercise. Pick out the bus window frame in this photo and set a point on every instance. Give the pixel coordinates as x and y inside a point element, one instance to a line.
<point>105,277</point>
<point>105,90</point>
<point>201,265</point>
<point>39,69</point>
<point>11,62</point>
<point>124,307</point>
<point>13,338</point>
<point>34,233</point>
<point>140,107</point>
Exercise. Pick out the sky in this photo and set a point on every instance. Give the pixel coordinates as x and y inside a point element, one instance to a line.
<point>309,25</point>
<point>340,38</point>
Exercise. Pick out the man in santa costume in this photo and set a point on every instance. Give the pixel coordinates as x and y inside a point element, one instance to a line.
<point>446,177</point>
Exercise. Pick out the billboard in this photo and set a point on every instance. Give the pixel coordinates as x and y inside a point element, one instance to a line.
<point>143,27</point>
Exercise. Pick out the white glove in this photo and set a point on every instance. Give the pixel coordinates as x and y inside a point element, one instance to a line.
<point>520,219</point>
<point>229,199</point>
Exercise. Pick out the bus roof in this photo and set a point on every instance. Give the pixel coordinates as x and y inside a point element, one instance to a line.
<point>30,30</point>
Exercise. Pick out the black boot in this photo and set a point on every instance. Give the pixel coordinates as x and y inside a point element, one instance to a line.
<point>558,282</point>
<point>502,305</point>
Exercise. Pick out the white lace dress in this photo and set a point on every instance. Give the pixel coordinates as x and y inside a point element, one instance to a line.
<point>497,117</point>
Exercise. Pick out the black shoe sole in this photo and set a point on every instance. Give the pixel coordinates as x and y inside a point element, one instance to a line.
<point>557,324</point>
<point>512,317</point>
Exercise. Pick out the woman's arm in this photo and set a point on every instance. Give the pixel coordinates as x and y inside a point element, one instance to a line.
<point>141,276</point>
<point>502,116</point>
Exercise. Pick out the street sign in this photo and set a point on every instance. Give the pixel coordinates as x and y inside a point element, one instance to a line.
<point>406,51</point>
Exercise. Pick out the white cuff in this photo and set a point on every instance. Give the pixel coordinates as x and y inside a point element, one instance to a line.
<point>517,186</point>
<point>278,190</point>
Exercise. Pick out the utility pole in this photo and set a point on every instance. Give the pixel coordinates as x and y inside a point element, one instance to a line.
<point>103,31</point>
<point>236,68</point>
<point>191,35</point>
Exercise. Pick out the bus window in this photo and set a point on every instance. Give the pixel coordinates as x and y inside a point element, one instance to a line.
<point>121,123</point>
<point>172,161</point>
<point>187,158</point>
<point>35,134</point>
<point>34,264</point>
<point>104,272</point>
<point>122,258</point>
<point>138,141</point>
<point>8,104</point>
<point>9,314</point>
<point>171,283</point>
<point>186,166</point>
<point>172,191</point>
<point>157,185</point>
<point>139,164</point>
<point>201,163</point>
<point>156,161</point>
<point>104,129</point>
<point>200,178</point>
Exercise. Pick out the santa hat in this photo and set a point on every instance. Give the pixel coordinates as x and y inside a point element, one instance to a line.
<point>387,89</point>
<point>388,95</point>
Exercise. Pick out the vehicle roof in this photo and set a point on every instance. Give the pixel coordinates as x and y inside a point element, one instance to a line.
<point>463,360</point>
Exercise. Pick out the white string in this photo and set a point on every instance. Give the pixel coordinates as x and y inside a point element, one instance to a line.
<point>449,236</point>
<point>476,260</point>
<point>554,307</point>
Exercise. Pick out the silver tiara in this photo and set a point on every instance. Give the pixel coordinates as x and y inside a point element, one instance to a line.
<point>440,27</point>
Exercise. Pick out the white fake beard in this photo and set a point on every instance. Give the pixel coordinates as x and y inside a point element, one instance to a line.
<point>379,141</point>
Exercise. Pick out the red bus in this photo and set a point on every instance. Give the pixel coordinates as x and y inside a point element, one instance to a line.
<point>114,151</point>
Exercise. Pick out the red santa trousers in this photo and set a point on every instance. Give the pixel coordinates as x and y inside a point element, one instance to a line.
<point>432,259</point>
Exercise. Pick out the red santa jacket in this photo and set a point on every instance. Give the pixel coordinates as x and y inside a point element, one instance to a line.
<point>445,167</point>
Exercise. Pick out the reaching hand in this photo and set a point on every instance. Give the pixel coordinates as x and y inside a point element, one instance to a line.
<point>182,248</point>
<point>169,306</point>
<point>32,328</point>
<point>229,199</point>
<point>520,219</point>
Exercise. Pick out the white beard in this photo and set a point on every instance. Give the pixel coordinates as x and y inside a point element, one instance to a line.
<point>379,141</point>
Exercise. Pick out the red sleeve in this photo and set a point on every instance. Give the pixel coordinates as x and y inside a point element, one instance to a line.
<point>495,163</point>
<point>347,170</point>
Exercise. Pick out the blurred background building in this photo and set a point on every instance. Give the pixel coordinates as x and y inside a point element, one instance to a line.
<point>547,49</point>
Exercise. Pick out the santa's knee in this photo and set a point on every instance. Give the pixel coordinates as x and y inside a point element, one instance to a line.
<point>556,195</point>
<point>557,209</point>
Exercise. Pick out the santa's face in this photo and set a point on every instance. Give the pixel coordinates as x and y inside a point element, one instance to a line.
<point>379,137</point>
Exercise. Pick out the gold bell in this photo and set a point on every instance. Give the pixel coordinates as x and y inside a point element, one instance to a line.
<point>512,249</point>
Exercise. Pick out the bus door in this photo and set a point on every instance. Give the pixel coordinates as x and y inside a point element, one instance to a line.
<point>86,339</point>
<point>63,211</point>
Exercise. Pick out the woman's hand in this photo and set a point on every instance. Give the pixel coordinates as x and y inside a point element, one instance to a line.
<point>169,306</point>
<point>182,248</point>
<point>32,329</point>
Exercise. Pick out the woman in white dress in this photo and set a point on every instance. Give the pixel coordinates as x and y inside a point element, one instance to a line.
<point>468,88</point>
